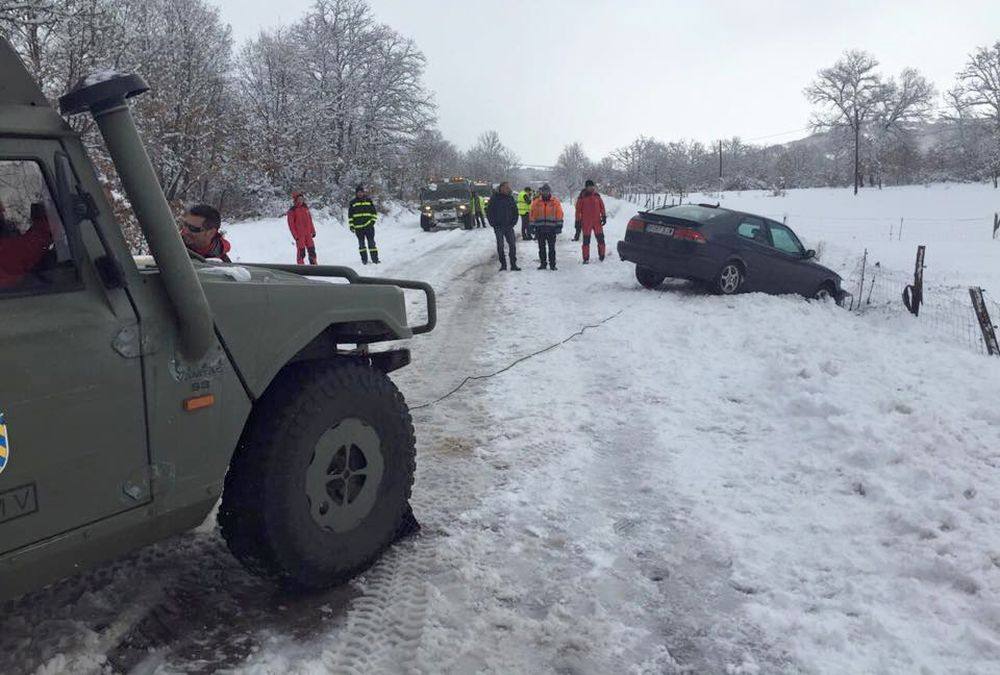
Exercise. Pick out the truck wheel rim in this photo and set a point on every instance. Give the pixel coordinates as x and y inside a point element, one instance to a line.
<point>342,481</point>
<point>730,279</point>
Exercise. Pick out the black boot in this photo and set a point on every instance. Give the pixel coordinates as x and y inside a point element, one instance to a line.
<point>542,266</point>
<point>514,267</point>
<point>503,265</point>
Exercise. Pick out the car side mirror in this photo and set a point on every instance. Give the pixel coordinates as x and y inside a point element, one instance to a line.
<point>808,255</point>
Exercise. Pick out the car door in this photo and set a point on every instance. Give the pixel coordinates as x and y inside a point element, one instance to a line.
<point>72,403</point>
<point>754,247</point>
<point>792,273</point>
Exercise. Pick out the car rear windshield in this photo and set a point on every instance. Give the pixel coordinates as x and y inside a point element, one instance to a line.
<point>698,214</point>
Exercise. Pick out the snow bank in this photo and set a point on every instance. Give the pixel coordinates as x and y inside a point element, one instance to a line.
<point>751,484</point>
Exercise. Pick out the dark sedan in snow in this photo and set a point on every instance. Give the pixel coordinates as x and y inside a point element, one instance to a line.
<point>729,251</point>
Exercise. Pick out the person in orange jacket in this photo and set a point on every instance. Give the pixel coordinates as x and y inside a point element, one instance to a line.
<point>591,218</point>
<point>300,224</point>
<point>547,220</point>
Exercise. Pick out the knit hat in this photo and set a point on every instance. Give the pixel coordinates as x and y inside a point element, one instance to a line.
<point>545,189</point>
<point>589,183</point>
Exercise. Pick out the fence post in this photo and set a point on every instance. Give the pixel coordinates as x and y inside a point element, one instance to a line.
<point>985,324</point>
<point>900,229</point>
<point>996,224</point>
<point>913,295</point>
<point>861,286</point>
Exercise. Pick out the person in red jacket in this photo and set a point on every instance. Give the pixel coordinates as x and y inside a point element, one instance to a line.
<point>21,253</point>
<point>300,224</point>
<point>591,217</point>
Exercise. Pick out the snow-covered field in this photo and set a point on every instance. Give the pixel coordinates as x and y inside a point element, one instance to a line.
<point>693,484</point>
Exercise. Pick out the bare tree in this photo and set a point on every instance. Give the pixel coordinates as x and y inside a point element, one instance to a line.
<point>979,92</point>
<point>847,93</point>
<point>900,104</point>
<point>571,169</point>
<point>489,159</point>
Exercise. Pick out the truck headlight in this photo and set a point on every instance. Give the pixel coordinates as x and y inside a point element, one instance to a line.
<point>462,207</point>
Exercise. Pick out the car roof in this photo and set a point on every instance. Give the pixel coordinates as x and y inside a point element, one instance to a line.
<point>716,207</point>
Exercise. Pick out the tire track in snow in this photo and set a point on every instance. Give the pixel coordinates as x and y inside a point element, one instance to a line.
<point>385,625</point>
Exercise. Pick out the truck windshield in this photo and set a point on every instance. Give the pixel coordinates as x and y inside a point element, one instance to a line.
<point>445,191</point>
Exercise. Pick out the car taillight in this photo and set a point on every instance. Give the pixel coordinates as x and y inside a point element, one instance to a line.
<point>637,224</point>
<point>687,234</point>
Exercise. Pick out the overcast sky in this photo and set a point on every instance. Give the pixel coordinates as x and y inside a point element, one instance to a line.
<point>545,73</point>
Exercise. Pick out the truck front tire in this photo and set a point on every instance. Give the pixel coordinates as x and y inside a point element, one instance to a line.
<point>321,481</point>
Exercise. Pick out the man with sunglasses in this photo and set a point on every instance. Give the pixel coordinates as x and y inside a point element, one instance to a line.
<point>200,231</point>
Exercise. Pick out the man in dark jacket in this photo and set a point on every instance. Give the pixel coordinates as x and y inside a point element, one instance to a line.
<point>503,216</point>
<point>361,215</point>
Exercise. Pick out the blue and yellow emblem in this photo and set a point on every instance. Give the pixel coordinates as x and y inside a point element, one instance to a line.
<point>4,444</point>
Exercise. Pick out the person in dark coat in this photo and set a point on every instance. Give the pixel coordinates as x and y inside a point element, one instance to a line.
<point>362,215</point>
<point>503,216</point>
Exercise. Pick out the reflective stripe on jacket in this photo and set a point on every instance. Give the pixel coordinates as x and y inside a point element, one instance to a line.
<point>523,203</point>
<point>361,213</point>
<point>547,213</point>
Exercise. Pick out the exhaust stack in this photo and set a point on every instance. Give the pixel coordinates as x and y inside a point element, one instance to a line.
<point>104,95</point>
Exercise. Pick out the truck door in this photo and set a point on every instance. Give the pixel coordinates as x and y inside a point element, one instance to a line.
<point>72,405</point>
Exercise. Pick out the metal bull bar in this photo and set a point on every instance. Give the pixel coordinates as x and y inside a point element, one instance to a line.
<point>341,272</point>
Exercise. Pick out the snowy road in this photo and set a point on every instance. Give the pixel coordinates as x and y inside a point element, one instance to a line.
<point>696,484</point>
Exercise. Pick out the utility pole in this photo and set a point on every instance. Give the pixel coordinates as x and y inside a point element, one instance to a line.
<point>720,169</point>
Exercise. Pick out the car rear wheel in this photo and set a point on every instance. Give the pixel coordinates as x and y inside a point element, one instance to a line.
<point>730,279</point>
<point>648,278</point>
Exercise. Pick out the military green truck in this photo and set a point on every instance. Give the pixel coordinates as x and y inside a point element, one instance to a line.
<point>449,204</point>
<point>134,396</point>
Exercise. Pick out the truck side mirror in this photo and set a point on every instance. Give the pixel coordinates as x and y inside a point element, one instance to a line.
<point>810,254</point>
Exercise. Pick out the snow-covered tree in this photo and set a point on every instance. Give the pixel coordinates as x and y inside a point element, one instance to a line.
<point>979,92</point>
<point>490,160</point>
<point>900,104</point>
<point>572,168</point>
<point>847,94</point>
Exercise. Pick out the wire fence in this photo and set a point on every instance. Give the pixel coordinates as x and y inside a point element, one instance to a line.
<point>946,311</point>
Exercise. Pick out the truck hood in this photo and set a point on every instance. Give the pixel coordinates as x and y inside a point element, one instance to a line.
<point>265,317</point>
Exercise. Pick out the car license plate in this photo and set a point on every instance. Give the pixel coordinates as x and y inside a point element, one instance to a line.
<point>660,229</point>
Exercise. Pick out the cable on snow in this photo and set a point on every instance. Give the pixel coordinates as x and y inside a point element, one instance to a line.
<point>527,357</point>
